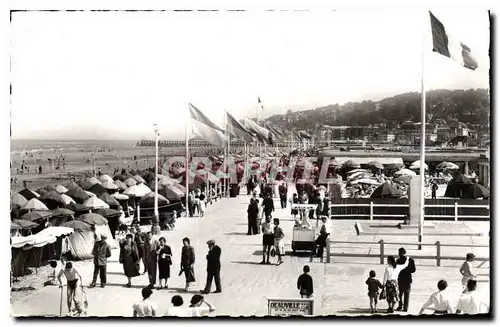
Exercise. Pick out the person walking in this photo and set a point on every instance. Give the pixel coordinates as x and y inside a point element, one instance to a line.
<point>164,262</point>
<point>268,205</point>
<point>466,270</point>
<point>267,240</point>
<point>470,302</point>
<point>278,240</point>
<point>283,192</point>
<point>253,217</point>
<point>145,308</point>
<point>390,282</point>
<point>213,267</point>
<point>191,203</point>
<point>129,258</point>
<point>438,301</point>
<point>187,262</point>
<point>294,200</point>
<point>305,283</point>
<point>196,202</point>
<point>434,188</point>
<point>201,204</point>
<point>72,275</point>
<point>151,258</point>
<point>326,207</point>
<point>101,253</point>
<point>140,241</point>
<point>196,309</point>
<point>373,287</point>
<point>405,280</point>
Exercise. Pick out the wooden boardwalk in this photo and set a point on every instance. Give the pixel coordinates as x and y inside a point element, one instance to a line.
<point>339,286</point>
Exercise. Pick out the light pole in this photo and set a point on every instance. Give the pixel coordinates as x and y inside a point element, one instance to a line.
<point>155,229</point>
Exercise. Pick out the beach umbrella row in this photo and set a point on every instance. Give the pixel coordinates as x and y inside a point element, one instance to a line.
<point>445,165</point>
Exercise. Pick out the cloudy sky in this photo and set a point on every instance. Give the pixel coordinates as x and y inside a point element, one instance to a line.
<point>112,75</point>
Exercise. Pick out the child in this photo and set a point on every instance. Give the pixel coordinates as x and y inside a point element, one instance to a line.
<point>305,283</point>
<point>72,277</point>
<point>373,286</point>
<point>53,274</point>
<point>466,270</point>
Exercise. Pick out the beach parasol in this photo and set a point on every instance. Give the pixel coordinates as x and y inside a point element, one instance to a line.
<point>93,180</point>
<point>119,196</point>
<point>93,219</point>
<point>29,194</point>
<point>50,188</point>
<point>36,215</point>
<point>84,184</point>
<point>359,170</point>
<point>95,203</point>
<point>416,165</point>
<point>109,186</point>
<point>90,194</point>
<point>108,213</point>
<point>476,191</point>
<point>109,200</point>
<point>366,181</point>
<point>105,178</point>
<point>18,199</point>
<point>61,189</point>
<point>52,197</point>
<point>147,201</point>
<point>41,191</point>
<point>76,207</point>
<point>375,164</point>
<point>139,179</point>
<point>24,224</point>
<point>143,188</point>
<point>405,171</point>
<point>172,192</point>
<point>121,185</point>
<point>403,178</point>
<point>67,199</point>
<point>78,194</point>
<point>35,204</point>
<point>134,191</point>
<point>358,175</point>
<point>62,212</point>
<point>386,190</point>
<point>445,165</point>
<point>14,226</point>
<point>130,182</point>
<point>72,185</point>
<point>77,225</point>
<point>351,164</point>
<point>97,189</point>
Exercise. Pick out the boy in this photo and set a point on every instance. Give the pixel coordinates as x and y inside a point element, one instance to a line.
<point>145,308</point>
<point>305,283</point>
<point>373,286</point>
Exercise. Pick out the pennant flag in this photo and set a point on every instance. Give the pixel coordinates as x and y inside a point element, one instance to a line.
<point>261,133</point>
<point>445,45</point>
<point>205,128</point>
<point>238,130</point>
<point>260,103</point>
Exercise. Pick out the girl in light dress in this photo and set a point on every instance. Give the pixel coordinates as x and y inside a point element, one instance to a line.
<point>390,282</point>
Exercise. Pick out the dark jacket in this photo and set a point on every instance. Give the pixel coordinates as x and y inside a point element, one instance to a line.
<point>405,274</point>
<point>187,256</point>
<point>305,284</point>
<point>140,238</point>
<point>283,191</point>
<point>326,206</point>
<point>268,204</point>
<point>101,253</point>
<point>253,210</point>
<point>213,259</point>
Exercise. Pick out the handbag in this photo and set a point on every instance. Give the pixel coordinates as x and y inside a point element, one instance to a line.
<point>382,295</point>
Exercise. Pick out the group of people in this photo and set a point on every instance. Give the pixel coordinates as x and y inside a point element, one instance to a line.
<point>196,203</point>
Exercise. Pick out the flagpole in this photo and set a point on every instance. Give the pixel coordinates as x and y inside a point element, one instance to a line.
<point>228,129</point>
<point>188,120</point>
<point>422,144</point>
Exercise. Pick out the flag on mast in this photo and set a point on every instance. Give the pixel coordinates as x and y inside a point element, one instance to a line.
<point>262,134</point>
<point>238,130</point>
<point>444,44</point>
<point>202,126</point>
<point>260,103</point>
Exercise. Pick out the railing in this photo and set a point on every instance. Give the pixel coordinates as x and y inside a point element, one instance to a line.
<point>434,211</point>
<point>438,257</point>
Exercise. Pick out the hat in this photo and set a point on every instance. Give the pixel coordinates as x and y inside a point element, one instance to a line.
<point>211,242</point>
<point>196,298</point>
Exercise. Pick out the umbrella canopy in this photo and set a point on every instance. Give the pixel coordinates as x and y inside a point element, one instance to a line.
<point>52,197</point>
<point>130,182</point>
<point>84,184</point>
<point>403,178</point>
<point>29,194</point>
<point>351,164</point>
<point>61,189</point>
<point>144,188</point>
<point>36,215</point>
<point>121,185</point>
<point>405,171</point>
<point>416,165</point>
<point>107,213</point>
<point>72,185</point>
<point>172,193</point>
<point>119,196</point>
<point>78,194</point>
<point>139,179</point>
<point>386,190</point>
<point>35,204</point>
<point>109,200</point>
<point>460,178</point>
<point>95,203</point>
<point>147,201</point>
<point>166,180</point>
<point>134,191</point>
<point>476,191</point>
<point>50,188</point>
<point>62,212</point>
<point>24,224</point>
<point>109,185</point>
<point>41,191</point>
<point>18,199</point>
<point>445,165</point>
<point>14,226</point>
<point>375,164</point>
<point>76,207</point>
<point>93,180</point>
<point>97,189</point>
<point>77,225</point>
<point>359,170</point>
<point>93,219</point>
<point>358,175</point>
<point>67,199</point>
<point>366,181</point>
<point>105,178</point>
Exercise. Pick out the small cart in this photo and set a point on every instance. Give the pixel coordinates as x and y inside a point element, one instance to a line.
<point>304,238</point>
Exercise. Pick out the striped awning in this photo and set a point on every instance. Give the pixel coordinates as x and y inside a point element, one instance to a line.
<point>364,161</point>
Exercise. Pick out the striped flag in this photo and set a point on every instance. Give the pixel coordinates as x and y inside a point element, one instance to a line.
<point>203,127</point>
<point>444,44</point>
<point>238,130</point>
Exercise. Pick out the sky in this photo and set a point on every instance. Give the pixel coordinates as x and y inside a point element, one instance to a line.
<point>112,75</point>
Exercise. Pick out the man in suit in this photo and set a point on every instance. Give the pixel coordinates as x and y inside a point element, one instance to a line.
<point>404,280</point>
<point>101,253</point>
<point>268,205</point>
<point>213,268</point>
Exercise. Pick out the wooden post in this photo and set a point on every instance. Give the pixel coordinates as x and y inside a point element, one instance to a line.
<point>328,250</point>
<point>381,252</point>
<point>456,211</point>
<point>438,253</point>
<point>371,210</point>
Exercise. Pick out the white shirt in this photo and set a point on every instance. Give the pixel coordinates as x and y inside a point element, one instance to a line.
<point>471,303</point>
<point>392,273</point>
<point>198,311</point>
<point>438,301</point>
<point>178,312</point>
<point>144,308</point>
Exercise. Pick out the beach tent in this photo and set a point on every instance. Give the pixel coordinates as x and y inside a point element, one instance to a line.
<point>81,242</point>
<point>29,194</point>
<point>27,252</point>
<point>458,186</point>
<point>35,204</point>
<point>386,190</point>
<point>78,194</point>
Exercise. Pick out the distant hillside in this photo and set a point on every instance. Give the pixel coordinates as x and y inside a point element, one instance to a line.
<point>444,107</point>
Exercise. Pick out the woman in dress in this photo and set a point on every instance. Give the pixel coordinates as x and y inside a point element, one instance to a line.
<point>129,257</point>
<point>201,206</point>
<point>164,261</point>
<point>390,282</point>
<point>187,262</point>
